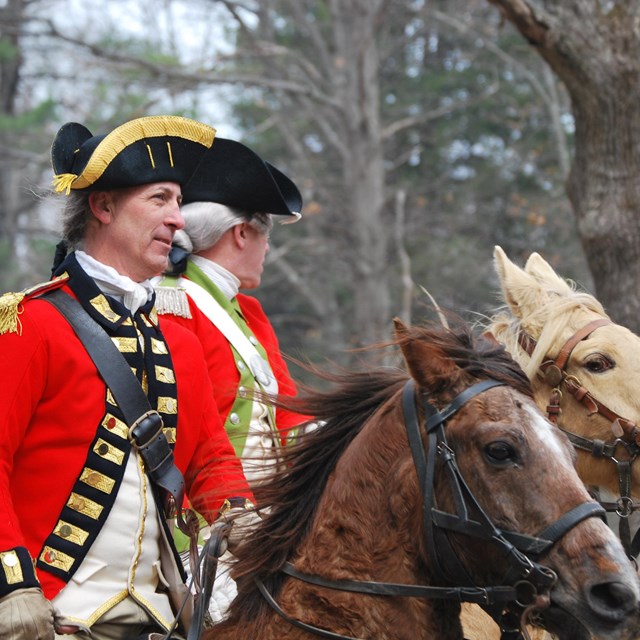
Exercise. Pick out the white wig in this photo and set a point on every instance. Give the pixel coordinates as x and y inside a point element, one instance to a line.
<point>206,222</point>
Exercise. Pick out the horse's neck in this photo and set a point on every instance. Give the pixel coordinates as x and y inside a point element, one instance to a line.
<point>366,529</point>
<point>364,517</point>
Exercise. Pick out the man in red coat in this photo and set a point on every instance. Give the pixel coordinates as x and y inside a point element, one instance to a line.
<point>83,525</point>
<point>228,207</point>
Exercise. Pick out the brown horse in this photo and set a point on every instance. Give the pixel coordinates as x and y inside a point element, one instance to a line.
<point>420,491</point>
<point>584,370</point>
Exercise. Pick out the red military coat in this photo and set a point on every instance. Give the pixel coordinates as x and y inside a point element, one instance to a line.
<point>52,398</point>
<point>223,369</point>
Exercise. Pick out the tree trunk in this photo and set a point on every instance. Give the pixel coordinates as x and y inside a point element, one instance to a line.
<point>595,50</point>
<point>334,86</point>
<point>356,86</point>
<point>11,16</point>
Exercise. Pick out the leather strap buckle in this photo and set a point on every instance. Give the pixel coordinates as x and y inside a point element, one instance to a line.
<point>147,427</point>
<point>147,436</point>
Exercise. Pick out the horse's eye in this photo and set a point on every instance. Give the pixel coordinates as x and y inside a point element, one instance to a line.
<point>500,452</point>
<point>598,364</point>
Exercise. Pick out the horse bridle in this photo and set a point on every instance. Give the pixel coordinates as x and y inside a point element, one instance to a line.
<point>525,580</point>
<point>627,435</point>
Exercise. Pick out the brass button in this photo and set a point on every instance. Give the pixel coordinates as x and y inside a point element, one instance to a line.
<point>10,559</point>
<point>65,531</point>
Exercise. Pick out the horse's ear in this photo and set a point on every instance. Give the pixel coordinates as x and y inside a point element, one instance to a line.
<point>491,339</point>
<point>522,292</point>
<point>540,269</point>
<point>400,329</point>
<point>426,361</point>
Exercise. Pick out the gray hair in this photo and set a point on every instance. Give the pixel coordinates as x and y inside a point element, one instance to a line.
<point>206,222</point>
<point>76,213</point>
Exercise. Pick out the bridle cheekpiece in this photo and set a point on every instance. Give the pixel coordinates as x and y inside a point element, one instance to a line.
<point>626,433</point>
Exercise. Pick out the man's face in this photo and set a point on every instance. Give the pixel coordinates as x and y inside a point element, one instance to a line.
<point>137,228</point>
<point>255,248</point>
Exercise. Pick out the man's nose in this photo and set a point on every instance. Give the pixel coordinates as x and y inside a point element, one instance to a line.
<point>176,219</point>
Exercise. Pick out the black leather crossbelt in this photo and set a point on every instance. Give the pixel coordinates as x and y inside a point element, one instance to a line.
<point>145,425</point>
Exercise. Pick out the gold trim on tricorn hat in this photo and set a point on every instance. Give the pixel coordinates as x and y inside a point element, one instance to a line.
<point>142,151</point>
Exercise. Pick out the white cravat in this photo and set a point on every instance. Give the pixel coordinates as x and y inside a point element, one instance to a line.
<point>132,294</point>
<point>221,277</point>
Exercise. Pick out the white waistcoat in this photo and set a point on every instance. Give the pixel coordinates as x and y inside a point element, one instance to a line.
<point>123,561</point>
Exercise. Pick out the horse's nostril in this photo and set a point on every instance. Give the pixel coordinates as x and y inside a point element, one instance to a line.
<point>612,600</point>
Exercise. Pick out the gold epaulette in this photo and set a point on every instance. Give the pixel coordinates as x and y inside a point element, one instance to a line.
<point>171,299</point>
<point>11,303</point>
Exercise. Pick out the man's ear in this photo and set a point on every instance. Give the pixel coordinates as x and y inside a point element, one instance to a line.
<point>240,234</point>
<point>101,205</point>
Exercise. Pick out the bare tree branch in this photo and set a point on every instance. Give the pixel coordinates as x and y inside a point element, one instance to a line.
<point>406,281</point>
<point>315,36</point>
<point>420,118</point>
<point>466,28</point>
<point>170,73</point>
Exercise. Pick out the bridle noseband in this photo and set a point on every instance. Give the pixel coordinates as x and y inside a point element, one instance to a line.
<point>525,579</point>
<point>626,432</point>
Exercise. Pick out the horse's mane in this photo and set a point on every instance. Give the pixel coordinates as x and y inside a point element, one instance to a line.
<point>292,493</point>
<point>548,320</point>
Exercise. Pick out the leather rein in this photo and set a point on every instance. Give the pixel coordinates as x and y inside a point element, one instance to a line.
<point>525,579</point>
<point>626,432</point>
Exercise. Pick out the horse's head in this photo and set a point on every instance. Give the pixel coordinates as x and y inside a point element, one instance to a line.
<point>434,485</point>
<point>583,367</point>
<point>499,449</point>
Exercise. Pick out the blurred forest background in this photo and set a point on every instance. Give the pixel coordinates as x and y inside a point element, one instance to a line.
<point>420,132</point>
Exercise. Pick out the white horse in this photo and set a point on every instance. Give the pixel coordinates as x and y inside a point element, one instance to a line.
<point>585,372</point>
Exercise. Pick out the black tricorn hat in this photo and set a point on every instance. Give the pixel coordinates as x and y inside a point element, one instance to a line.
<point>142,151</point>
<point>233,175</point>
